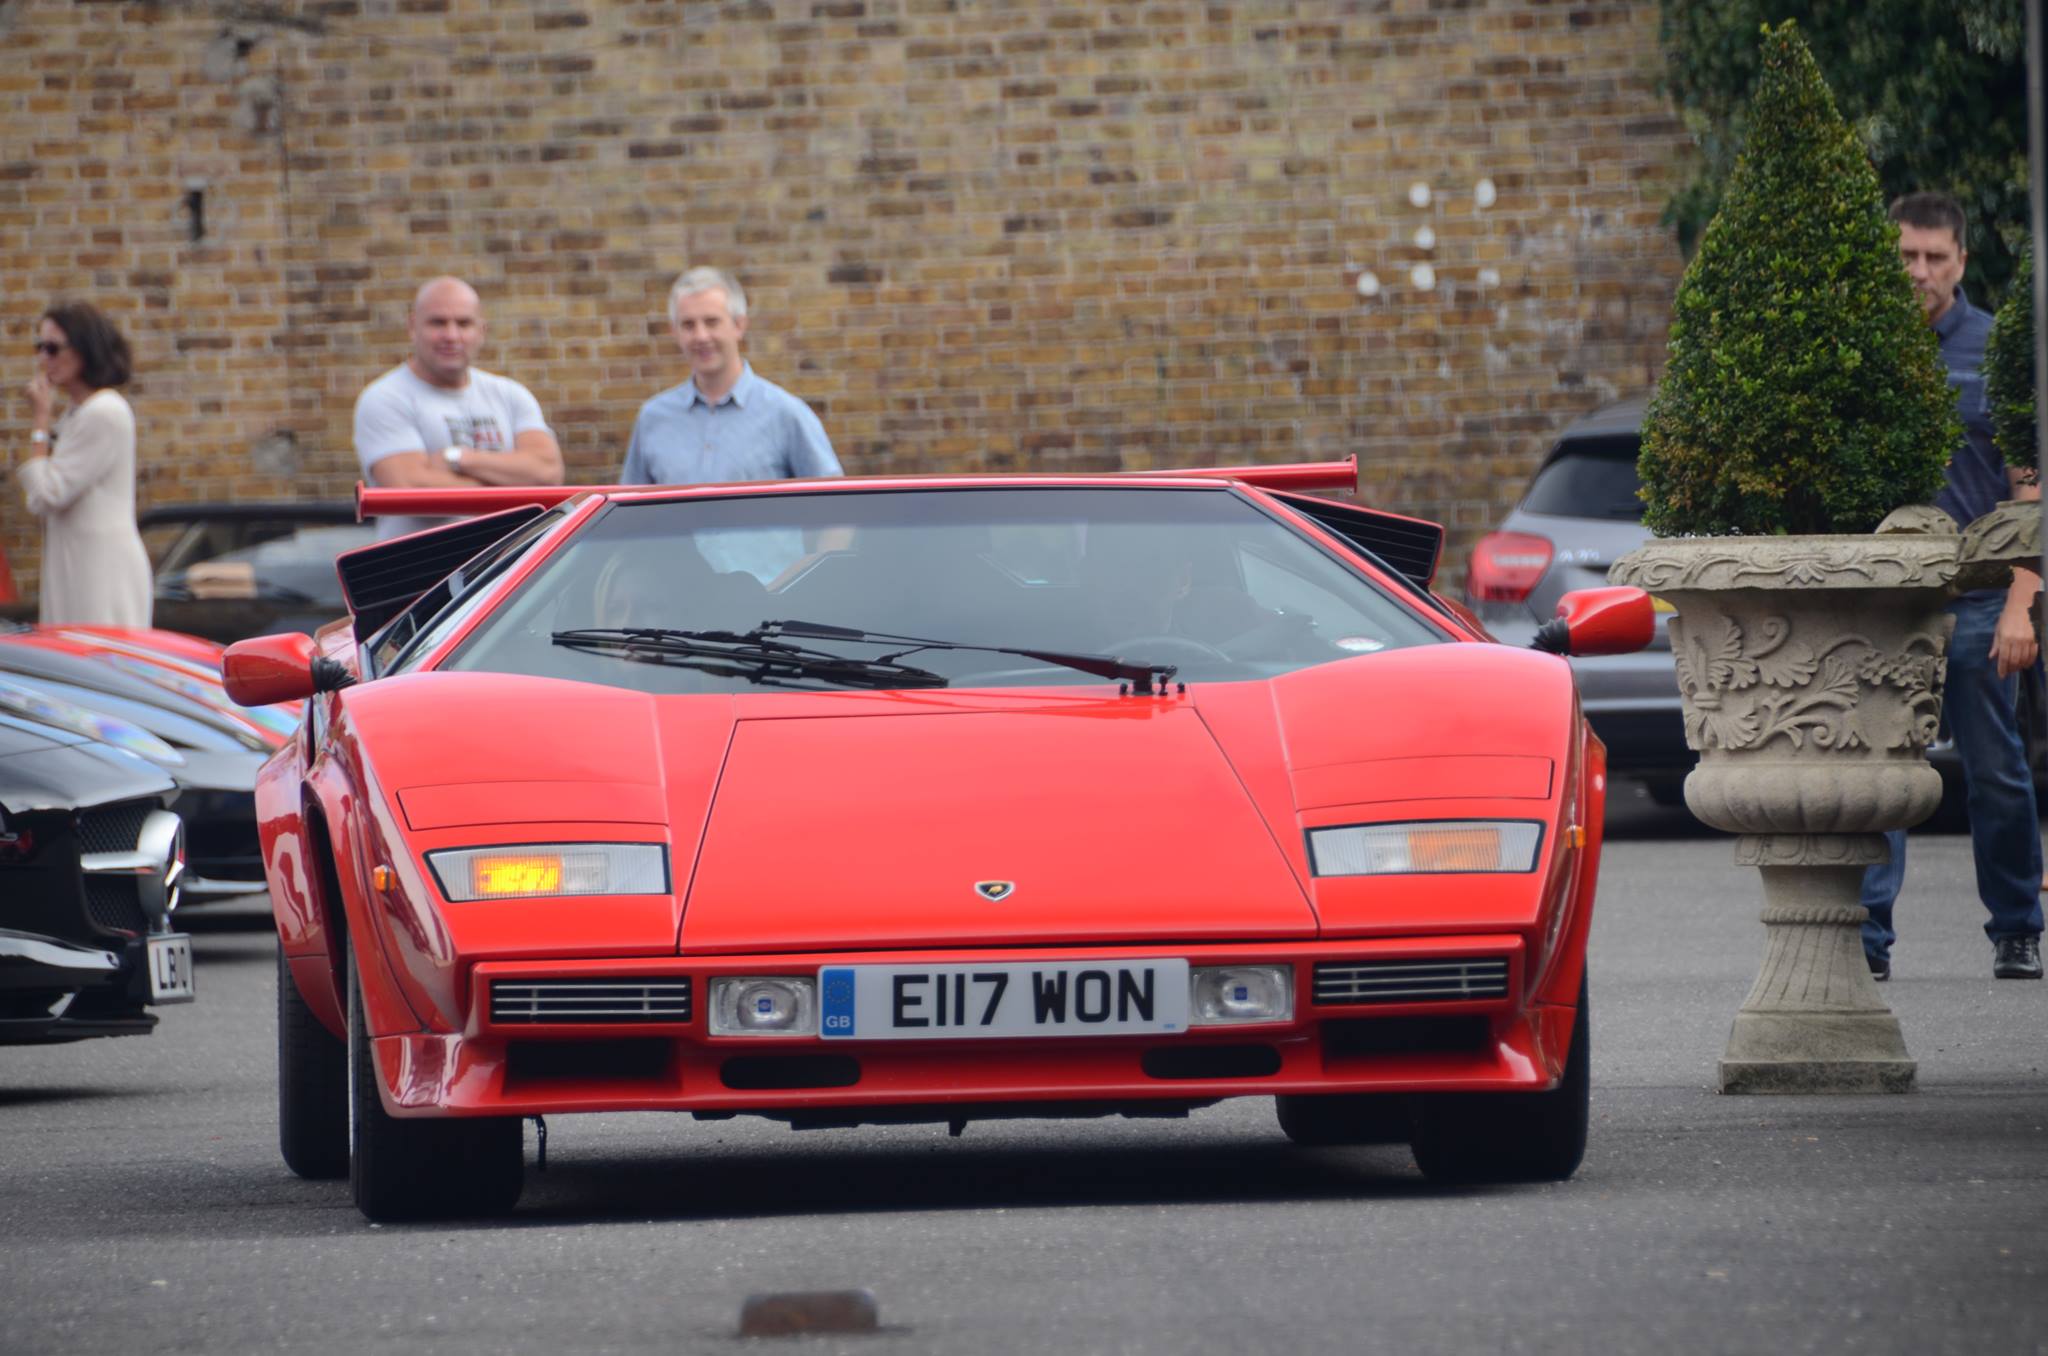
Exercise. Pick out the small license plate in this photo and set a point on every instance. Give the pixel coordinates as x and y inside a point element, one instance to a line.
<point>984,1001</point>
<point>170,968</point>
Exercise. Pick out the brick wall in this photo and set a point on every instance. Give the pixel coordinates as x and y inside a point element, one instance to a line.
<point>976,234</point>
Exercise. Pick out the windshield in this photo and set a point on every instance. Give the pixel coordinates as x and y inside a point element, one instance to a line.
<point>1201,580</point>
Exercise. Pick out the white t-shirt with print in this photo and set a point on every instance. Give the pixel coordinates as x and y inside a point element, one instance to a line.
<point>398,412</point>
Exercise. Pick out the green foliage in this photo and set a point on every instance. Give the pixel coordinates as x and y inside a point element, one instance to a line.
<point>1804,390</point>
<point>2009,370</point>
<point>1937,89</point>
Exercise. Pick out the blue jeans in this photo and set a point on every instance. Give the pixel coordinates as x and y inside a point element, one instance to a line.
<point>2005,833</point>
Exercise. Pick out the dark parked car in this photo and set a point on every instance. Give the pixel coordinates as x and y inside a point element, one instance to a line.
<point>211,758</point>
<point>229,571</point>
<point>90,862</point>
<point>1580,514</point>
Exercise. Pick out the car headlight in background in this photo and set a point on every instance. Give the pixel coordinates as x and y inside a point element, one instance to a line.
<point>545,870</point>
<point>1425,847</point>
<point>1224,994</point>
<point>764,1005</point>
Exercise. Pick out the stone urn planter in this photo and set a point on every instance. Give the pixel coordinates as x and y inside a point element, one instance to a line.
<point>2009,535</point>
<point>1810,670</point>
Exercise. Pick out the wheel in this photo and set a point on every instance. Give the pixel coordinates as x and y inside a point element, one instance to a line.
<point>312,1086</point>
<point>1345,1118</point>
<point>422,1169</point>
<point>1510,1136</point>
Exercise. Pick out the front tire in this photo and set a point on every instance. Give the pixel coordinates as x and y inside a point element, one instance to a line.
<point>1511,1136</point>
<point>312,1086</point>
<point>422,1169</point>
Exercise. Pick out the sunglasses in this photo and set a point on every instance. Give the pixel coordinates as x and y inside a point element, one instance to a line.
<point>48,348</point>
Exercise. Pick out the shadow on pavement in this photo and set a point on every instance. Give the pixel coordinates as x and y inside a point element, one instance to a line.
<point>687,1186</point>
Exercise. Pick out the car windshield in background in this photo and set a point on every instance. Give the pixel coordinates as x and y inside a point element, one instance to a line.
<point>1589,478</point>
<point>258,560</point>
<point>1199,579</point>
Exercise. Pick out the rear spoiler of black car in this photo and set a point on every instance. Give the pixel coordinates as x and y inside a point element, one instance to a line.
<point>379,582</point>
<point>1411,547</point>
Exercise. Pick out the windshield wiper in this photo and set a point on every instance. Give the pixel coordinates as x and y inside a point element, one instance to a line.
<point>753,655</point>
<point>1141,677</point>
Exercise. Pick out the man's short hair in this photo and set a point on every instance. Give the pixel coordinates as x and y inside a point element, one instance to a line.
<point>1933,212</point>
<point>697,280</point>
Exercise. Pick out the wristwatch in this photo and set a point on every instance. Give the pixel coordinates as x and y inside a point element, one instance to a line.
<point>41,435</point>
<point>453,456</point>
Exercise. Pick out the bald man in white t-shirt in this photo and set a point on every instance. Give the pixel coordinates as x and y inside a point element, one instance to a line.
<point>434,421</point>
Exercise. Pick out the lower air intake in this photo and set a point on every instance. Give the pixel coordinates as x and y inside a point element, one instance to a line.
<point>565,1001</point>
<point>1411,981</point>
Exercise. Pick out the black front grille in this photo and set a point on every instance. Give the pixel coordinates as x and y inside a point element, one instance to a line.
<point>1411,981</point>
<point>118,828</point>
<point>605,1000</point>
<point>112,904</point>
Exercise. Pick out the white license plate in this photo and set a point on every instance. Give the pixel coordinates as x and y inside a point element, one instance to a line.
<point>170,968</point>
<point>1021,998</point>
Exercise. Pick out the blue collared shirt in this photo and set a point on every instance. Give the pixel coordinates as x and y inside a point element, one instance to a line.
<point>1976,473</point>
<point>756,431</point>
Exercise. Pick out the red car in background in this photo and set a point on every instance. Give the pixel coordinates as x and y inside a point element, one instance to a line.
<point>859,801</point>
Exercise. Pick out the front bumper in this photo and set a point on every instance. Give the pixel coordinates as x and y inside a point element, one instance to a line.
<point>1441,1044</point>
<point>53,991</point>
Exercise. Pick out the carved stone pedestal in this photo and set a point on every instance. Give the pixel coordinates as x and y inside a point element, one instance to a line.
<point>1810,670</point>
<point>1814,1020</point>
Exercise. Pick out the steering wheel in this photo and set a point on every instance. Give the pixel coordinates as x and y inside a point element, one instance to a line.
<point>1140,649</point>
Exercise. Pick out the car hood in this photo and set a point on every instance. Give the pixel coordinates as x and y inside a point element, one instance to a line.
<point>826,821</point>
<point>1017,823</point>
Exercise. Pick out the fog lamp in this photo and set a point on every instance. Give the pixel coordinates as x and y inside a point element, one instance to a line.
<point>1224,994</point>
<point>764,1005</point>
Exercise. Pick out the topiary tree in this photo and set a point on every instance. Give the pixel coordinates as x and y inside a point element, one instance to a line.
<point>1804,390</point>
<point>1936,90</point>
<point>2009,371</point>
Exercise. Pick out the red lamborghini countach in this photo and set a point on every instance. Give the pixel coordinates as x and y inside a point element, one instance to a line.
<point>859,801</point>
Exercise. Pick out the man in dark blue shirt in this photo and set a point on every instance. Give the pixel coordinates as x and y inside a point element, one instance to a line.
<point>1994,634</point>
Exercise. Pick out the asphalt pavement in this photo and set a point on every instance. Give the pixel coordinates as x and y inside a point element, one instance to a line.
<point>143,1206</point>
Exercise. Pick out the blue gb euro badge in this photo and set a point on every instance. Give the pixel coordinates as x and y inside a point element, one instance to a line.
<point>835,1002</point>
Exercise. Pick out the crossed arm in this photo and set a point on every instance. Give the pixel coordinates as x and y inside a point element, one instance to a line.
<point>535,459</point>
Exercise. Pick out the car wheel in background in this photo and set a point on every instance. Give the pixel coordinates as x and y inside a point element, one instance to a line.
<point>1362,1118</point>
<point>422,1169</point>
<point>1511,1136</point>
<point>312,1086</point>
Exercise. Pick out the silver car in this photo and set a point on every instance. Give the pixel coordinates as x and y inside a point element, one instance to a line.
<point>1579,514</point>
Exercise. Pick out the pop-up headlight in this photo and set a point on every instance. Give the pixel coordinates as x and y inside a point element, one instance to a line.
<point>1425,847</point>
<point>545,870</point>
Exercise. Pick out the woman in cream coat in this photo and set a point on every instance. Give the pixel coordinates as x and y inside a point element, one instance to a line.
<point>81,483</point>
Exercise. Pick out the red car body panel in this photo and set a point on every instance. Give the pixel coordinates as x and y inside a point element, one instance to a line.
<point>790,820</point>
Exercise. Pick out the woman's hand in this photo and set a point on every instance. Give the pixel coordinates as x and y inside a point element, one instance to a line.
<point>43,398</point>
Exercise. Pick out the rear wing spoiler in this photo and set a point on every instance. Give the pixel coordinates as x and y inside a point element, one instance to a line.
<point>378,502</point>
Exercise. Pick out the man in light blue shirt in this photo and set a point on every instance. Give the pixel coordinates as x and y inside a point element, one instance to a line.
<point>726,423</point>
